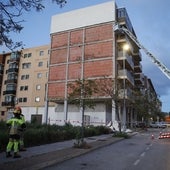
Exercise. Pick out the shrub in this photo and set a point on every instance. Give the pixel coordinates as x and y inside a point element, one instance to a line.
<point>36,134</point>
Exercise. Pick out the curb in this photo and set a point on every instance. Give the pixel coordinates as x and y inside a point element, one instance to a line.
<point>52,158</point>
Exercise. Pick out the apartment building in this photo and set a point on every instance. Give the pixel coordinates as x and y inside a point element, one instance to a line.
<point>84,45</point>
<point>24,79</point>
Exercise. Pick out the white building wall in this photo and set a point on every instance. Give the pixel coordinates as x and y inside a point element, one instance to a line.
<point>92,15</point>
<point>97,116</point>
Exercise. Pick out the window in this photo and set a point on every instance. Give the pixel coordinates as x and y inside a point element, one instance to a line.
<point>8,98</point>
<point>21,100</point>
<point>13,65</point>
<point>38,87</point>
<point>11,87</point>
<point>23,77</point>
<point>25,55</point>
<point>40,64</point>
<point>39,75</point>
<point>23,88</point>
<point>26,65</point>
<point>37,99</point>
<point>46,74</point>
<point>12,76</point>
<point>29,55</point>
<point>41,53</point>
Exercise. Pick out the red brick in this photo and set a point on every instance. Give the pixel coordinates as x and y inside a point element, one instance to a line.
<point>57,73</point>
<point>58,40</point>
<point>58,56</point>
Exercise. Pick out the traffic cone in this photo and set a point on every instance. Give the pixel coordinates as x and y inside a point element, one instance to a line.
<point>152,137</point>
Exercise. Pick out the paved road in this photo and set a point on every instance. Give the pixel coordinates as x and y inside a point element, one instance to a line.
<point>141,152</point>
<point>41,156</point>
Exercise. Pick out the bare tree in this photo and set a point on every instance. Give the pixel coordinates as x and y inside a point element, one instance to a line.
<point>81,93</point>
<point>10,13</point>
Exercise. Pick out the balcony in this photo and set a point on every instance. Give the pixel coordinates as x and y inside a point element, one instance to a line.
<point>123,18</point>
<point>12,103</point>
<point>125,74</point>
<point>129,62</point>
<point>127,93</point>
<point>139,78</point>
<point>12,70</point>
<point>11,81</point>
<point>138,68</point>
<point>137,56</point>
<point>13,92</point>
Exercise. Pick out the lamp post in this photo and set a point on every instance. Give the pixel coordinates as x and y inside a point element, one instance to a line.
<point>125,48</point>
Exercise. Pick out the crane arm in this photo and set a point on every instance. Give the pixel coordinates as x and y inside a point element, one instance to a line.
<point>158,63</point>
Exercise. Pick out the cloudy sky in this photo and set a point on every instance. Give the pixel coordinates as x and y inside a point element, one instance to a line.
<point>150,19</point>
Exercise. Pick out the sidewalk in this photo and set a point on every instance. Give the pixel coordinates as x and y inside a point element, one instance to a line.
<point>39,157</point>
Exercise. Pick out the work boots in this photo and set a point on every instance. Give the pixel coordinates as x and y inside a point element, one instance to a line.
<point>16,155</point>
<point>8,154</point>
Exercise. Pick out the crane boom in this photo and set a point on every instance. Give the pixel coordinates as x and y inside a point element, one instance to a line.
<point>158,63</point>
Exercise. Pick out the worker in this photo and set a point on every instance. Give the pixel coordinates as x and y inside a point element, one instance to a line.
<point>14,124</point>
<point>21,130</point>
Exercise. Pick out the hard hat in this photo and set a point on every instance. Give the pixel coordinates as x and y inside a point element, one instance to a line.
<point>18,110</point>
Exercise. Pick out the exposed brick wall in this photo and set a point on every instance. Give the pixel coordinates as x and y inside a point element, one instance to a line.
<point>74,71</point>
<point>98,44</point>
<point>59,40</point>
<point>56,90</point>
<point>98,68</point>
<point>58,56</point>
<point>75,53</point>
<point>98,33</point>
<point>57,73</point>
<point>76,37</point>
<point>98,50</point>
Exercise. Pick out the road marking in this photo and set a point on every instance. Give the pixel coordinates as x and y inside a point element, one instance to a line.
<point>136,162</point>
<point>147,148</point>
<point>143,154</point>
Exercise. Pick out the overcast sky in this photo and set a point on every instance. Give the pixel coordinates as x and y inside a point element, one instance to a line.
<point>150,20</point>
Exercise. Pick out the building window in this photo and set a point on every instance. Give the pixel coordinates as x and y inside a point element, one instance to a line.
<point>23,77</point>
<point>21,100</point>
<point>39,75</point>
<point>40,64</point>
<point>38,87</point>
<point>25,55</point>
<point>23,88</point>
<point>2,113</point>
<point>11,87</point>
<point>41,53</point>
<point>29,55</point>
<point>26,65</point>
<point>37,99</point>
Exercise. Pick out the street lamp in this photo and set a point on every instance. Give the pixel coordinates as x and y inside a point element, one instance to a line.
<point>125,49</point>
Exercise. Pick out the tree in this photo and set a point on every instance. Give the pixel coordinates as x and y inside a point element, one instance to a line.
<point>80,93</point>
<point>11,11</point>
<point>146,105</point>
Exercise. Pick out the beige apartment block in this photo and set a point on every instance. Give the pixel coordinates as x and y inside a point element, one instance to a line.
<point>24,80</point>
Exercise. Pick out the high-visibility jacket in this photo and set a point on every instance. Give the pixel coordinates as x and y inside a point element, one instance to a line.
<point>15,124</point>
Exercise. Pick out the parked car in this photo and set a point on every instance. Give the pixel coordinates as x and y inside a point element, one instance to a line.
<point>158,125</point>
<point>153,125</point>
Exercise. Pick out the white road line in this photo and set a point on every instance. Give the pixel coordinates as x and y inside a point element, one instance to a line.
<point>143,154</point>
<point>147,148</point>
<point>136,162</point>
